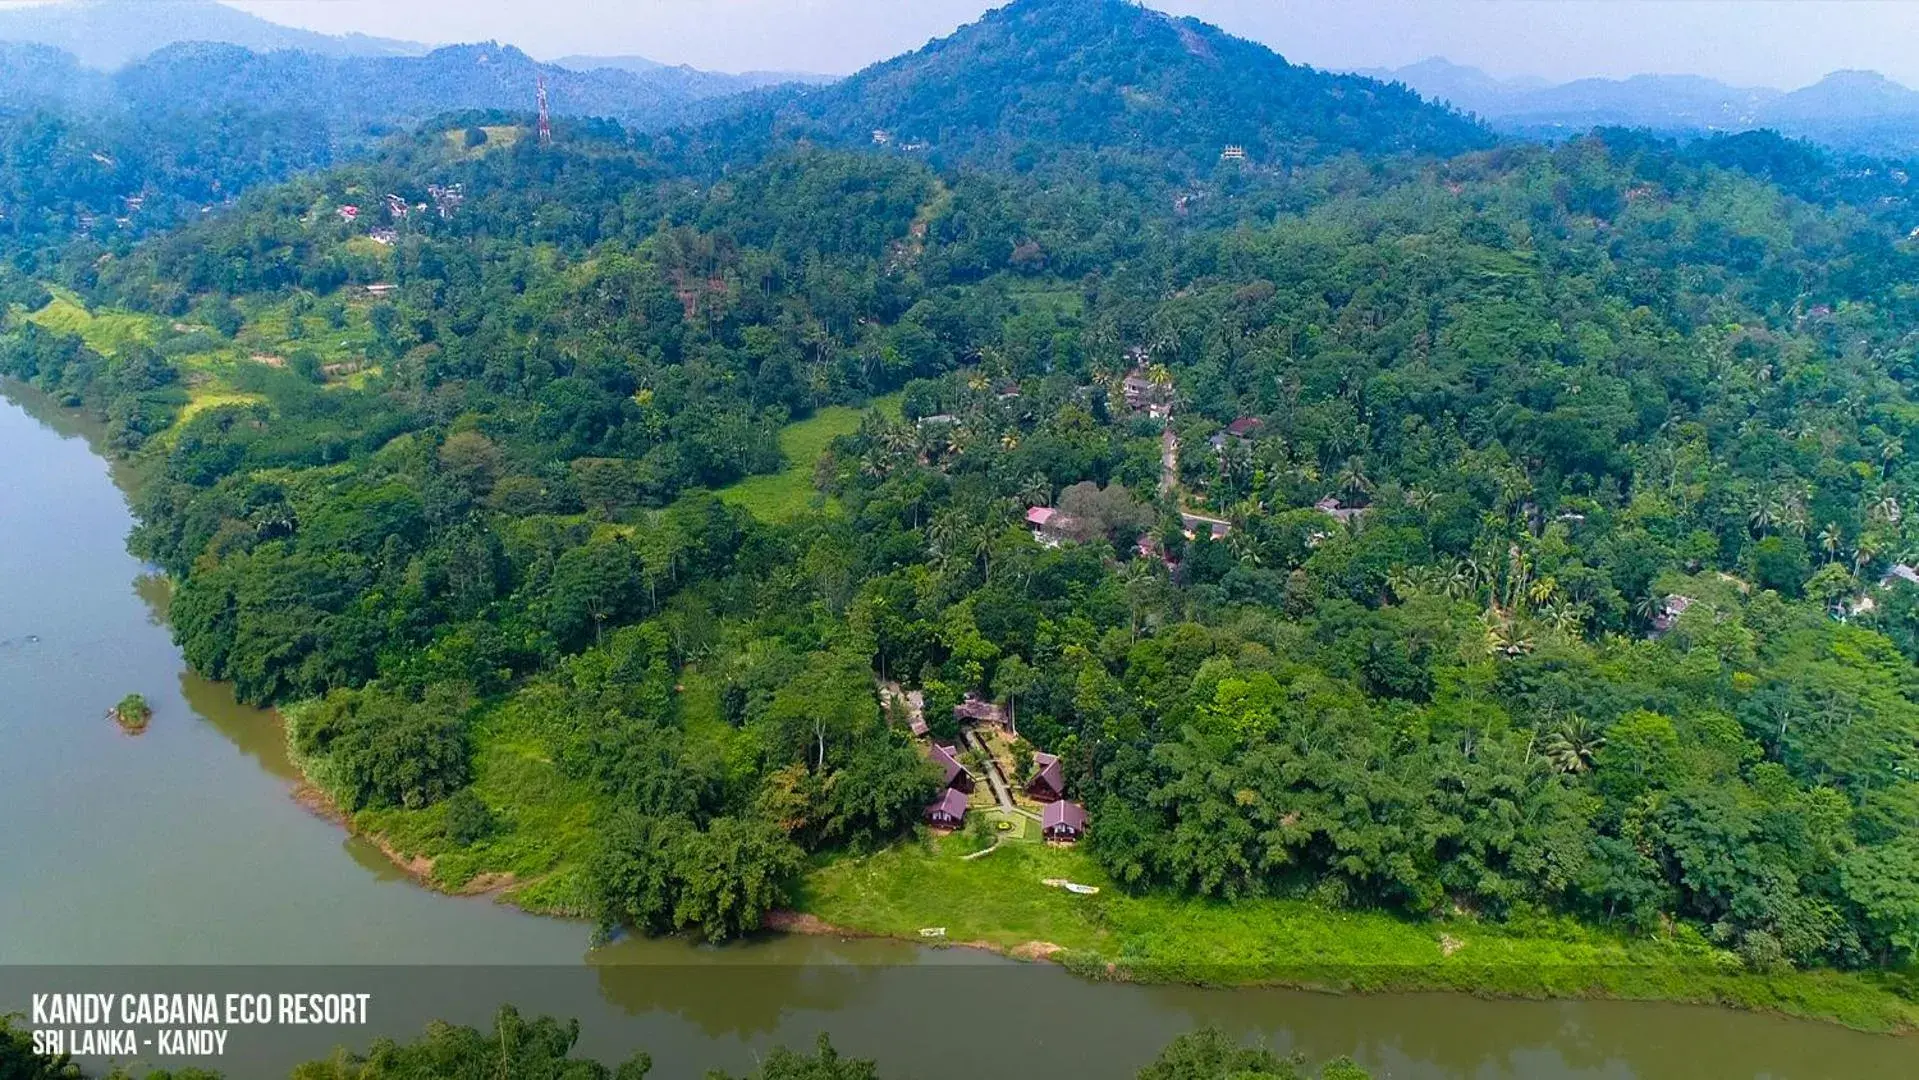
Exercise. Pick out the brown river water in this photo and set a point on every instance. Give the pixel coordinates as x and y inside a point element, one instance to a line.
<point>178,862</point>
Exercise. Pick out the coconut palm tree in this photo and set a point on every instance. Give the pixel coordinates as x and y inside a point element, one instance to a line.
<point>1830,539</point>
<point>1572,745</point>
<point>1352,480</point>
<point>1035,490</point>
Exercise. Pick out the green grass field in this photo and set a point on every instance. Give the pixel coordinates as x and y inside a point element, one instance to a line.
<point>999,900</point>
<point>789,493</point>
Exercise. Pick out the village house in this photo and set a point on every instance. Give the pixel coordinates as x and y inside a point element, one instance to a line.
<point>1240,430</point>
<point>1142,393</point>
<point>1050,527</point>
<point>1342,514</point>
<point>1049,781</point>
<point>384,237</point>
<point>1063,821</point>
<point>911,704</point>
<point>947,758</point>
<point>1669,611</point>
<point>1193,524</point>
<point>948,811</point>
<point>1900,572</point>
<point>380,288</point>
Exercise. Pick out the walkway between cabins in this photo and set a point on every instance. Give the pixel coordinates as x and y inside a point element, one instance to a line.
<point>994,778</point>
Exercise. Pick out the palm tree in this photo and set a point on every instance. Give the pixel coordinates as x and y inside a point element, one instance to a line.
<point>1572,746</point>
<point>1352,480</point>
<point>1829,540</point>
<point>1649,606</point>
<point>1035,490</point>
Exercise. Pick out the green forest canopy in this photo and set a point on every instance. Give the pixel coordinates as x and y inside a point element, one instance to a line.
<point>1566,385</point>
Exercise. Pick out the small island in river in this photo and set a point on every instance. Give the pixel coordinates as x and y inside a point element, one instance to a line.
<point>132,714</point>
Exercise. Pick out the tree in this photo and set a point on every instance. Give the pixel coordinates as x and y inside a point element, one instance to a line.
<point>1211,1054</point>
<point>1013,677</point>
<point>18,1061</point>
<point>1572,745</point>
<point>824,1063</point>
<point>731,874</point>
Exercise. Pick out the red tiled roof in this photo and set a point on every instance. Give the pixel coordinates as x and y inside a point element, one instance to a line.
<point>952,804</point>
<point>1063,814</point>
<point>948,760</point>
<point>1049,773</point>
<point>1244,426</point>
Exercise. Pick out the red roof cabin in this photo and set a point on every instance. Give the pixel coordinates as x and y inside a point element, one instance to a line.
<point>1245,427</point>
<point>1049,781</point>
<point>949,812</point>
<point>956,777</point>
<point>980,711</point>
<point>1063,821</point>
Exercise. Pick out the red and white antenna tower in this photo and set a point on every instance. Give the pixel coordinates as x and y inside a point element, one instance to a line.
<point>546,122</point>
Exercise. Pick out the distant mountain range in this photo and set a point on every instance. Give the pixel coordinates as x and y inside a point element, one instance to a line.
<point>1038,79</point>
<point>1853,110</point>
<point>355,95</point>
<point>641,65</point>
<point>106,34</point>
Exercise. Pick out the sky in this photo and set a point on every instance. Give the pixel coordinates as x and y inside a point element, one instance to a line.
<point>1783,43</point>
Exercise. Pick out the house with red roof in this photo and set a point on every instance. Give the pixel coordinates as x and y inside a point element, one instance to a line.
<point>1049,781</point>
<point>949,811</point>
<point>955,777</point>
<point>1063,821</point>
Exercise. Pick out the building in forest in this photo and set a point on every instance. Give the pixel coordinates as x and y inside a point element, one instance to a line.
<point>1049,781</point>
<point>955,777</point>
<point>1063,821</point>
<point>948,811</point>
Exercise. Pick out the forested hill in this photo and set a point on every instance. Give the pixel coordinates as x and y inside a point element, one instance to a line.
<point>1041,77</point>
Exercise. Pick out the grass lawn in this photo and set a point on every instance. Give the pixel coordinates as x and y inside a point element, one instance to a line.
<point>543,823</point>
<point>789,493</point>
<point>999,900</point>
<point>106,333</point>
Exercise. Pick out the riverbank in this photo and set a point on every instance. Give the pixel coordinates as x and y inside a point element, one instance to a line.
<point>1002,903</point>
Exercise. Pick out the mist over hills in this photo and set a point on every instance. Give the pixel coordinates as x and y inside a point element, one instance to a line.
<point>107,34</point>
<point>353,95</point>
<point>1851,110</point>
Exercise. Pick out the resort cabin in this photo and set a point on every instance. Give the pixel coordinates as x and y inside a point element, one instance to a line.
<point>978,711</point>
<point>1063,821</point>
<point>949,812</point>
<point>956,778</point>
<point>1049,780</point>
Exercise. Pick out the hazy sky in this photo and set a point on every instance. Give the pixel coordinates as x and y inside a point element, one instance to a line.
<point>1783,43</point>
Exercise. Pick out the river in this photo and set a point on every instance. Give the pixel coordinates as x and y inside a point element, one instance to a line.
<point>179,857</point>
